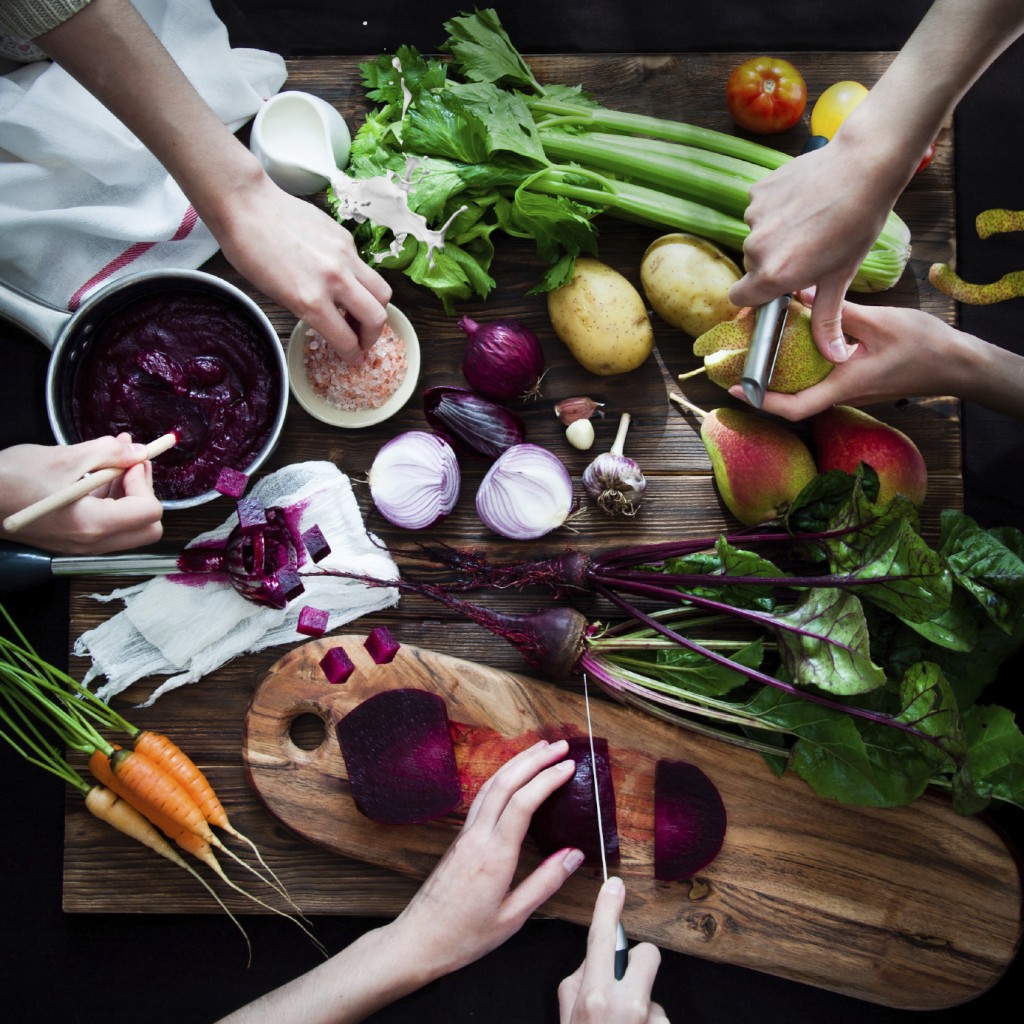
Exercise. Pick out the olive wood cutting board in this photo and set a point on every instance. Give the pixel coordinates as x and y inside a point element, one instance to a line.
<point>914,907</point>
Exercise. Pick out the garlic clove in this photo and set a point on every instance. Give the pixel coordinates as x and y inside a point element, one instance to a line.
<point>569,410</point>
<point>580,434</point>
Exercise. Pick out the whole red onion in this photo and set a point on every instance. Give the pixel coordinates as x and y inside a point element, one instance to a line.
<point>503,359</point>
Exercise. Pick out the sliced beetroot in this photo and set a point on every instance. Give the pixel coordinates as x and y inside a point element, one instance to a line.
<point>316,543</point>
<point>231,483</point>
<point>569,816</point>
<point>252,514</point>
<point>337,665</point>
<point>689,820</point>
<point>399,757</point>
<point>312,621</point>
<point>381,645</point>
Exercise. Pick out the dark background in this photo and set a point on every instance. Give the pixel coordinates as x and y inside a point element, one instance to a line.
<point>86,968</point>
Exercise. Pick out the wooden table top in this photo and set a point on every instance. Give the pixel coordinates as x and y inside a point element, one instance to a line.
<point>681,498</point>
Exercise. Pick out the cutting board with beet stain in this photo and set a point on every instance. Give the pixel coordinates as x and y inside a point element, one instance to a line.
<point>913,907</point>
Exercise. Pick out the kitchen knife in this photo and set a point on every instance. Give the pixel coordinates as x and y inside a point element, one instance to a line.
<point>769,323</point>
<point>22,566</point>
<point>621,945</point>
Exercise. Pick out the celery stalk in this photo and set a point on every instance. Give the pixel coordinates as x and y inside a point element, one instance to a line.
<point>559,112</point>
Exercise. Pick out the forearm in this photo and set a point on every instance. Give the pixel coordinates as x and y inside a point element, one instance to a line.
<point>358,981</point>
<point>989,376</point>
<point>905,110</point>
<point>110,49</point>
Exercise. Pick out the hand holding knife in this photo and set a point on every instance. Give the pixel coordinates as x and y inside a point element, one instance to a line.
<point>621,944</point>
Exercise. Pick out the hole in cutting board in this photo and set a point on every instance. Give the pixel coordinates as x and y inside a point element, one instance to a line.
<point>307,731</point>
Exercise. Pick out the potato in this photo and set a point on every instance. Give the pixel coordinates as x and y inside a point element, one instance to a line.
<point>602,319</point>
<point>686,280</point>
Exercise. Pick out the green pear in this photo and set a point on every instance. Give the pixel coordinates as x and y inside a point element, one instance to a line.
<point>760,466</point>
<point>844,437</point>
<point>798,364</point>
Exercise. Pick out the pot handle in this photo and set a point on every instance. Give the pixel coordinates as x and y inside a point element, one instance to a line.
<point>40,320</point>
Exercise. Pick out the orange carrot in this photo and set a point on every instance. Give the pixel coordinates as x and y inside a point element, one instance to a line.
<point>151,788</point>
<point>164,752</point>
<point>103,771</point>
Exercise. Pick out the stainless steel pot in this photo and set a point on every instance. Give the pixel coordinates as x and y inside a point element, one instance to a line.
<point>69,335</point>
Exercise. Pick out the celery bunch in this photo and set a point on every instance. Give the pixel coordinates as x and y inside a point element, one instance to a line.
<point>541,162</point>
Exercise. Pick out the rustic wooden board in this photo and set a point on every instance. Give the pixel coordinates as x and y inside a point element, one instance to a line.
<point>207,717</point>
<point>839,897</point>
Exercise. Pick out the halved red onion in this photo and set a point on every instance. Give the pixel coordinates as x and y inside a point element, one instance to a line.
<point>415,479</point>
<point>526,493</point>
<point>502,360</point>
<point>472,424</point>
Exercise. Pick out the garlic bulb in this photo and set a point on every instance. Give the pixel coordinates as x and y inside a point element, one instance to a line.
<point>615,480</point>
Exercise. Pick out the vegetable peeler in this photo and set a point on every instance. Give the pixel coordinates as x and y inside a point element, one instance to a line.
<point>621,944</point>
<point>769,324</point>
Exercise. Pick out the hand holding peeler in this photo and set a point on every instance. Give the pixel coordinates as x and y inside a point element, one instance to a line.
<point>621,944</point>
<point>769,323</point>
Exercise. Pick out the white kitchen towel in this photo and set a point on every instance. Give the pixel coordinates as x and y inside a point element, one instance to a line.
<point>189,628</point>
<point>82,201</point>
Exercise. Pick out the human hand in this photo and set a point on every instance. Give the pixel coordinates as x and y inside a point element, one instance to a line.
<point>304,260</point>
<point>591,994</point>
<point>812,222</point>
<point>466,908</point>
<point>118,516</point>
<point>898,353</point>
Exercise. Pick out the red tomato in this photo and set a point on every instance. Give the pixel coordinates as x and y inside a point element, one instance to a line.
<point>928,157</point>
<point>766,95</point>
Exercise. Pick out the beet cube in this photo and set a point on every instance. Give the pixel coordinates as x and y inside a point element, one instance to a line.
<point>290,583</point>
<point>382,645</point>
<point>337,665</point>
<point>399,757</point>
<point>252,515</point>
<point>312,621</point>
<point>689,820</point>
<point>316,543</point>
<point>569,816</point>
<point>231,482</point>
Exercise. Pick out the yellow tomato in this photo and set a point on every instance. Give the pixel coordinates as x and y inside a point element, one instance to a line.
<point>833,105</point>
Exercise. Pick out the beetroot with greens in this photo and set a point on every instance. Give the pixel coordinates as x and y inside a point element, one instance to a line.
<point>399,757</point>
<point>569,816</point>
<point>878,648</point>
<point>689,820</point>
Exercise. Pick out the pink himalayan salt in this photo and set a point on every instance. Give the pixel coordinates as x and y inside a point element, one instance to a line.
<point>355,388</point>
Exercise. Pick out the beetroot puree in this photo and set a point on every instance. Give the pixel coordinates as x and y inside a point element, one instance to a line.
<point>186,362</point>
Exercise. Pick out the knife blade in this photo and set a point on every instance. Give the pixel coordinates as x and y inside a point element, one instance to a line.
<point>769,323</point>
<point>621,944</point>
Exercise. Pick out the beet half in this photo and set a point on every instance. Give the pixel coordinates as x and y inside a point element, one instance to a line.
<point>569,816</point>
<point>399,757</point>
<point>689,820</point>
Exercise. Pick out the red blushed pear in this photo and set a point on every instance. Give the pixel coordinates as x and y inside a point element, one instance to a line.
<point>844,437</point>
<point>760,466</point>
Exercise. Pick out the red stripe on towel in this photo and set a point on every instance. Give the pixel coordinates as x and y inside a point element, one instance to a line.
<point>132,253</point>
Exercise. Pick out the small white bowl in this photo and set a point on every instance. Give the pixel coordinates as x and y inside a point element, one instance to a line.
<point>329,414</point>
